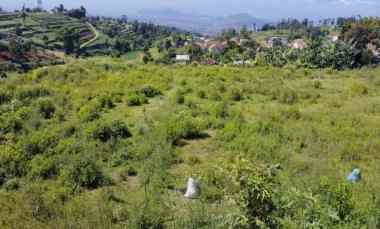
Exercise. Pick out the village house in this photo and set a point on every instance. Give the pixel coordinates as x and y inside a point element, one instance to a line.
<point>242,62</point>
<point>273,41</point>
<point>334,38</point>
<point>236,40</point>
<point>210,61</point>
<point>375,51</point>
<point>182,59</point>
<point>298,44</point>
<point>218,47</point>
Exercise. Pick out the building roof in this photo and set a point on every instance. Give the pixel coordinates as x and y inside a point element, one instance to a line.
<point>218,47</point>
<point>298,44</point>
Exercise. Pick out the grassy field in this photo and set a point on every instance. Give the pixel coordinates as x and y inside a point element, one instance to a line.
<point>102,143</point>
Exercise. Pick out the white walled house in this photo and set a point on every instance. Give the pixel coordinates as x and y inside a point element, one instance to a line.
<point>182,59</point>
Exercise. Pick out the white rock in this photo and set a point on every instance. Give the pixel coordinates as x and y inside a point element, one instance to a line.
<point>193,189</point>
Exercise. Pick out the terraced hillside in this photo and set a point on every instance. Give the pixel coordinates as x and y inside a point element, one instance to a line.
<point>42,31</point>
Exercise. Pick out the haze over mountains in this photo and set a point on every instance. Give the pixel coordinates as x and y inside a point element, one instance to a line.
<point>203,24</point>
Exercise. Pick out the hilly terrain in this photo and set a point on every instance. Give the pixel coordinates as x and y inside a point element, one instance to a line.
<point>118,123</point>
<point>29,39</point>
<point>209,25</point>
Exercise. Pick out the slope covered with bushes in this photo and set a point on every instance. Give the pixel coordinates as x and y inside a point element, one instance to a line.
<point>100,143</point>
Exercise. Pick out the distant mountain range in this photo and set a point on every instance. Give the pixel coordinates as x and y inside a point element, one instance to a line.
<point>203,24</point>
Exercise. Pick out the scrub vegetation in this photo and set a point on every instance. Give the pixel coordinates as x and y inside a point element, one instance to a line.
<point>104,143</point>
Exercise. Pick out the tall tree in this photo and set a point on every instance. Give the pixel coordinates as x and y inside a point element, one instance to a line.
<point>70,41</point>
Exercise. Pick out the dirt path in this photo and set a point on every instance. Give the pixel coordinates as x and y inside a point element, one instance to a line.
<point>93,39</point>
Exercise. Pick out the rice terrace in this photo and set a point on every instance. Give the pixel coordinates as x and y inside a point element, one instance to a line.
<point>151,120</point>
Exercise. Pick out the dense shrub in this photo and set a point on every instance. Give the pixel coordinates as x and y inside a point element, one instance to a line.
<point>179,97</point>
<point>39,142</point>
<point>106,101</point>
<point>90,111</point>
<point>31,92</point>
<point>104,131</point>
<point>317,84</point>
<point>341,201</point>
<point>12,162</point>
<point>150,91</point>
<point>42,167</point>
<point>12,185</point>
<point>46,108</point>
<point>255,197</point>
<point>83,171</point>
<point>235,94</point>
<point>183,125</point>
<point>3,75</point>
<point>359,89</point>
<point>136,99</point>
<point>5,96</point>
<point>11,123</point>
<point>201,94</point>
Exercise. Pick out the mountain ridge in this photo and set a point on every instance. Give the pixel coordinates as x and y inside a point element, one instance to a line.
<point>199,23</point>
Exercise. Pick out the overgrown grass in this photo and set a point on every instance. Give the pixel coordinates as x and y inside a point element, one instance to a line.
<point>103,143</point>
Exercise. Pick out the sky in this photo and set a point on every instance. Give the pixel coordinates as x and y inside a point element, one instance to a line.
<point>267,9</point>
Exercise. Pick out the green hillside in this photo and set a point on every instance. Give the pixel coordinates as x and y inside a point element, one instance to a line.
<point>102,143</point>
<point>32,39</point>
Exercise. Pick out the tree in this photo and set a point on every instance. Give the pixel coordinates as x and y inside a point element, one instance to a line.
<point>268,27</point>
<point>255,196</point>
<point>45,38</point>
<point>15,47</point>
<point>146,58</point>
<point>244,33</point>
<point>70,41</point>
<point>23,14</point>
<point>78,13</point>
<point>168,44</point>
<point>122,45</point>
<point>60,8</point>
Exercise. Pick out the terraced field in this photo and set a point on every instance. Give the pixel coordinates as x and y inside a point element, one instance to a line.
<point>43,29</point>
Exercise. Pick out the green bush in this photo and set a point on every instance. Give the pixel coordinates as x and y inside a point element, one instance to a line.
<point>359,89</point>
<point>90,111</point>
<point>12,123</point>
<point>192,160</point>
<point>32,92</point>
<point>235,94</point>
<point>42,167</point>
<point>83,171</point>
<point>106,101</point>
<point>317,84</point>
<point>12,185</point>
<point>183,125</point>
<point>341,201</point>
<point>12,162</point>
<point>256,196</point>
<point>179,97</point>
<point>105,131</point>
<point>201,94</point>
<point>39,142</point>
<point>46,108</point>
<point>136,100</point>
<point>5,97</point>
<point>150,91</point>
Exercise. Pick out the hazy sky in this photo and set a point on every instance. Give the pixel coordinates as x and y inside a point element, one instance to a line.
<point>270,9</point>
